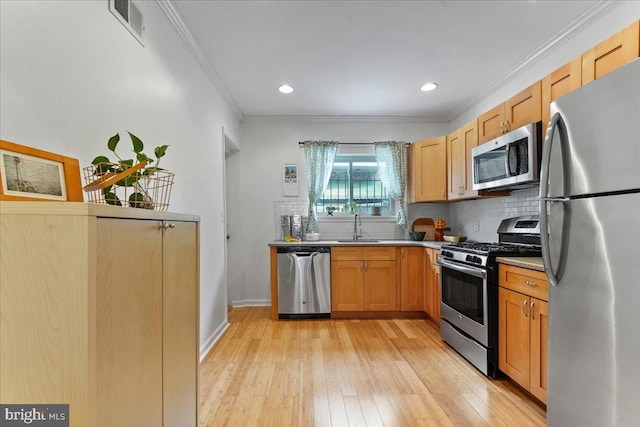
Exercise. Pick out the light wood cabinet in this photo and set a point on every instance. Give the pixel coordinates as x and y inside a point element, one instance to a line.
<point>380,286</point>
<point>524,108</point>
<point>519,110</point>
<point>129,322</point>
<point>99,309</point>
<point>539,317</point>
<point>411,175</point>
<point>491,124</point>
<point>428,178</point>
<point>436,290</point>
<point>559,83</point>
<point>459,146</point>
<point>432,285</point>
<point>455,164</point>
<point>363,278</point>
<point>411,278</point>
<point>614,52</point>
<point>347,285</point>
<point>523,327</point>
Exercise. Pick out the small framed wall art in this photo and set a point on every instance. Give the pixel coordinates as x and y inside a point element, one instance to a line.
<point>290,180</point>
<point>31,174</point>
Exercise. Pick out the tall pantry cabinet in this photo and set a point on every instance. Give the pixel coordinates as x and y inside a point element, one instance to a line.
<point>99,309</point>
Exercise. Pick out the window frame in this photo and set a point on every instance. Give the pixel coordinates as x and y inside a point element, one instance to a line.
<point>351,158</point>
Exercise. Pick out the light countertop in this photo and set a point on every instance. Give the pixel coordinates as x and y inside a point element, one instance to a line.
<point>382,242</point>
<point>532,263</point>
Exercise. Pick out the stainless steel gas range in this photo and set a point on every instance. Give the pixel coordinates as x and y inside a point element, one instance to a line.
<point>469,287</point>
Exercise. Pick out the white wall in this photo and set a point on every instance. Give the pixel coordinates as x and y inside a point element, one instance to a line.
<point>267,144</point>
<point>72,75</point>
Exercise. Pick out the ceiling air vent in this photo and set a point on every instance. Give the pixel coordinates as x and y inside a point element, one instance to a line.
<point>129,16</point>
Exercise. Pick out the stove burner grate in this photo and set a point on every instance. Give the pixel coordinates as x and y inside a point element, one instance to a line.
<point>491,248</point>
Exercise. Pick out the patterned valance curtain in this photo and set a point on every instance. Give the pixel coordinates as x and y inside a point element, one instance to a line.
<point>392,168</point>
<point>319,157</point>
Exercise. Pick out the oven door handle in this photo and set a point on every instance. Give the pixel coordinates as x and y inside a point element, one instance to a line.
<point>476,272</point>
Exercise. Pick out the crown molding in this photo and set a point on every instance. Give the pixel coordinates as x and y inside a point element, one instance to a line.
<point>176,20</point>
<point>576,27</point>
<point>260,118</point>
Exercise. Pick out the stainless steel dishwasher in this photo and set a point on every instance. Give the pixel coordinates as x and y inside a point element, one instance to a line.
<point>304,282</point>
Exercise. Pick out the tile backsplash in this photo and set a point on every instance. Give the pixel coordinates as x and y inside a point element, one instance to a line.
<point>479,219</point>
<point>476,219</point>
<point>339,227</point>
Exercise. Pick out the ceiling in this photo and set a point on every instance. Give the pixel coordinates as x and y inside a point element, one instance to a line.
<point>368,58</point>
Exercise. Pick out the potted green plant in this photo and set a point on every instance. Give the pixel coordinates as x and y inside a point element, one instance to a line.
<point>135,176</point>
<point>350,208</point>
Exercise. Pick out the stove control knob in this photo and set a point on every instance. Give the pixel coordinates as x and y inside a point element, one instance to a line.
<point>477,260</point>
<point>469,258</point>
<point>446,254</point>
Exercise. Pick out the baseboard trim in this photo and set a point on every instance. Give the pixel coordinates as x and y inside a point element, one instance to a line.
<point>251,303</point>
<point>212,340</point>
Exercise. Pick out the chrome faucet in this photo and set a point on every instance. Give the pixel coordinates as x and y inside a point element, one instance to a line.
<point>357,220</point>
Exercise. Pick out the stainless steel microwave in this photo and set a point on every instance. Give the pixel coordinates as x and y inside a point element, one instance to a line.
<point>510,161</point>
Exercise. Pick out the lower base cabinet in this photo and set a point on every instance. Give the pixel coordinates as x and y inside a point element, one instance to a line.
<point>432,285</point>
<point>523,328</point>
<point>364,279</point>
<point>411,278</point>
<point>99,309</point>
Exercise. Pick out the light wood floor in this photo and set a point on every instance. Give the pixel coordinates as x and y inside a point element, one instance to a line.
<point>349,373</point>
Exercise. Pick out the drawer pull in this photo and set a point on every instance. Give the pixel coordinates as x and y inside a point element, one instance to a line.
<point>530,283</point>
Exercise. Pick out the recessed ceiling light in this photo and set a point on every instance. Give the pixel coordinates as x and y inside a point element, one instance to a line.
<point>285,89</point>
<point>428,87</point>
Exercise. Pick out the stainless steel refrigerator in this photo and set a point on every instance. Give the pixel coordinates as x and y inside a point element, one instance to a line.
<point>590,232</point>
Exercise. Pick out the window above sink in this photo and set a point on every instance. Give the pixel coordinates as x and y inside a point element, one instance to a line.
<point>355,187</point>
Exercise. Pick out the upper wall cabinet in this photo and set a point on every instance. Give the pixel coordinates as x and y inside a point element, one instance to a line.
<point>522,109</point>
<point>614,52</point>
<point>428,170</point>
<point>459,145</point>
<point>559,83</point>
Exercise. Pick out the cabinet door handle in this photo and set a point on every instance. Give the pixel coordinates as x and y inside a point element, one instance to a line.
<point>402,252</point>
<point>502,126</point>
<point>531,311</point>
<point>443,192</point>
<point>162,225</point>
<point>530,283</point>
<point>507,126</point>
<point>524,308</point>
<point>361,267</point>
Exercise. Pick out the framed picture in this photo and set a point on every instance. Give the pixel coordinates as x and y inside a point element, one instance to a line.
<point>290,180</point>
<point>31,174</point>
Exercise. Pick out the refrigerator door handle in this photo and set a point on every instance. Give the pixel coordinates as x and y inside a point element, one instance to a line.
<point>556,123</point>
<point>554,199</point>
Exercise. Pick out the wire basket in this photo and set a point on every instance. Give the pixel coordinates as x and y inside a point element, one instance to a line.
<point>135,186</point>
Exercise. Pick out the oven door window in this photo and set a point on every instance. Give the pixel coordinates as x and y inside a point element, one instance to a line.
<point>463,293</point>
